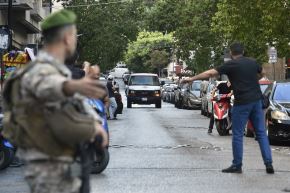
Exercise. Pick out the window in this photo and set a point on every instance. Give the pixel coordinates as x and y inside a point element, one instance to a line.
<point>196,86</point>
<point>282,92</point>
<point>144,80</point>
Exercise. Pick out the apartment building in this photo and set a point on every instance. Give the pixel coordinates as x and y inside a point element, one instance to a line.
<point>26,16</point>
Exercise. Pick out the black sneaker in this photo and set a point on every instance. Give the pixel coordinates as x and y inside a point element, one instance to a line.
<point>269,169</point>
<point>209,130</point>
<point>233,169</point>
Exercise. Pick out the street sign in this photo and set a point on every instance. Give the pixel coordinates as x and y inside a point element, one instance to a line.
<point>4,37</point>
<point>272,52</point>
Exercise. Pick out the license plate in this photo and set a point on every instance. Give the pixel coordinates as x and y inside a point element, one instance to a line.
<point>144,99</point>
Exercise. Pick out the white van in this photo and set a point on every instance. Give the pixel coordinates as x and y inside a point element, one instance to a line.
<point>119,70</point>
<point>143,88</point>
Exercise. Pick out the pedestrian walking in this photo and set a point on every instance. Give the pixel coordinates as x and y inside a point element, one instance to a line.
<point>50,117</point>
<point>243,73</point>
<point>113,104</point>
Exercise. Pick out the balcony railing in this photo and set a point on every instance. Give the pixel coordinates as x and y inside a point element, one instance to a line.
<point>38,13</point>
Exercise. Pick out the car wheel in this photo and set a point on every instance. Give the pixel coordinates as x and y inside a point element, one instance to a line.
<point>6,157</point>
<point>129,104</point>
<point>158,105</point>
<point>102,158</point>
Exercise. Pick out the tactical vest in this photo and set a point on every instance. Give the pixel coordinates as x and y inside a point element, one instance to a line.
<point>31,124</point>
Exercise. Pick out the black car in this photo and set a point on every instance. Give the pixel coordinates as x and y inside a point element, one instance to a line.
<point>278,113</point>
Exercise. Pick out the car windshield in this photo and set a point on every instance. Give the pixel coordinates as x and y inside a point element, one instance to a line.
<point>263,87</point>
<point>195,86</point>
<point>282,92</point>
<point>144,80</point>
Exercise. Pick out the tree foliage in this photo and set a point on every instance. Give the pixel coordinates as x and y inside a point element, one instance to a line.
<point>149,52</point>
<point>254,23</point>
<point>201,29</point>
<point>106,29</point>
<point>190,20</point>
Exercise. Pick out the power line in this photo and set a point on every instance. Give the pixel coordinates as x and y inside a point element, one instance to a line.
<point>95,4</point>
<point>81,5</point>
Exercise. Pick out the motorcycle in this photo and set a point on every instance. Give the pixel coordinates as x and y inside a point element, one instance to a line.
<point>221,108</point>
<point>102,156</point>
<point>6,150</point>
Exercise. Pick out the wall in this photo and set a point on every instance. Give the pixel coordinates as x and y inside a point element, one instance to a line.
<point>278,68</point>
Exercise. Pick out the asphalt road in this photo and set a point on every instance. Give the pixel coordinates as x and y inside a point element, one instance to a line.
<point>169,150</point>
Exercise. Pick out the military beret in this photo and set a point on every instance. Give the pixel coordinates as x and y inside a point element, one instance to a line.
<point>58,19</point>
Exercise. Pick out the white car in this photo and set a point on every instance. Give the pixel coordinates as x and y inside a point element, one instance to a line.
<point>143,88</point>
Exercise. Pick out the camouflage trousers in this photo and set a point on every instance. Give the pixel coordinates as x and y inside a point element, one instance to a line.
<point>51,177</point>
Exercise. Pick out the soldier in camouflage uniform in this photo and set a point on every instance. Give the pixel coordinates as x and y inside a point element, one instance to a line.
<point>50,154</point>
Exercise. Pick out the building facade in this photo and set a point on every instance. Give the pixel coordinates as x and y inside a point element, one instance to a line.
<point>26,16</point>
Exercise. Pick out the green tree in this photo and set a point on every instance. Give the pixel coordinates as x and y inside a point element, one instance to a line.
<point>254,23</point>
<point>147,53</point>
<point>106,29</point>
<point>190,21</point>
<point>159,59</point>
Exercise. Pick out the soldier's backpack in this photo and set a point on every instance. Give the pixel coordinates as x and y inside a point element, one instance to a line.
<point>11,130</point>
<point>54,131</point>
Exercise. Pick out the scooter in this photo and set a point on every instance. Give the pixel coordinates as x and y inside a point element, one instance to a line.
<point>102,156</point>
<point>221,107</point>
<point>6,150</point>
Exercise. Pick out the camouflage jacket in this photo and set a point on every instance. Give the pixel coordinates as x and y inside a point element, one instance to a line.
<point>44,82</point>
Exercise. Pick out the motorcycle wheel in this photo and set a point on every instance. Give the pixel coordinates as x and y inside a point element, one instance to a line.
<point>221,126</point>
<point>101,161</point>
<point>6,157</point>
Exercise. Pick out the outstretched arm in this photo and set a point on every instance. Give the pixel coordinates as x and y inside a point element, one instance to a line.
<point>202,76</point>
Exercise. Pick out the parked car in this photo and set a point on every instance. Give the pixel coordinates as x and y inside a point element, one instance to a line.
<point>126,77</point>
<point>189,99</point>
<point>278,113</point>
<point>171,95</point>
<point>249,131</point>
<point>203,90</point>
<point>206,100</point>
<point>165,92</point>
<point>195,88</point>
<point>143,88</point>
<point>165,81</point>
<point>178,95</point>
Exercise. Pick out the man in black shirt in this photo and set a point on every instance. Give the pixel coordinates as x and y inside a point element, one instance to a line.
<point>243,74</point>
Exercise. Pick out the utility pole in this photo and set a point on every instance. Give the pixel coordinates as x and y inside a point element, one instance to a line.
<point>9,23</point>
<point>50,6</point>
